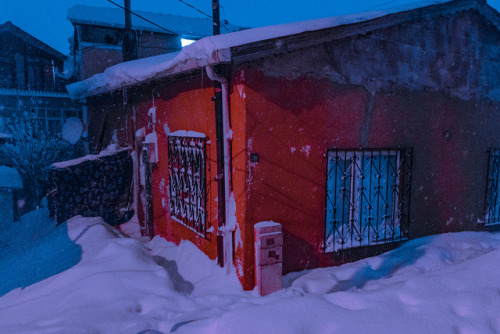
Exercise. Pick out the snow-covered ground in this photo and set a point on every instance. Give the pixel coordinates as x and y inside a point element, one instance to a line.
<point>440,284</point>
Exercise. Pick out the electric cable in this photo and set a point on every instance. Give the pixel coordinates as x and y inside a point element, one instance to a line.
<point>197,9</point>
<point>141,17</point>
<point>222,23</point>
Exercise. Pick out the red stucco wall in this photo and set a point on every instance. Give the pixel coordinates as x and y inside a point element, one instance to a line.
<point>292,122</point>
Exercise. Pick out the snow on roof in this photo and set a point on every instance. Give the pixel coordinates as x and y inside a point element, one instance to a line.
<point>215,50</point>
<point>113,17</point>
<point>10,178</point>
<point>266,224</point>
<point>110,150</point>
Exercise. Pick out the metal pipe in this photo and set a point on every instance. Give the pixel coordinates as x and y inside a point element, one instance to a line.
<point>223,137</point>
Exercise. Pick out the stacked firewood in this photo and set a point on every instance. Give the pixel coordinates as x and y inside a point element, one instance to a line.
<point>100,186</point>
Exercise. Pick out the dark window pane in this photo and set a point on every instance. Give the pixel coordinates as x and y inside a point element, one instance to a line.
<point>51,113</point>
<point>70,113</point>
<point>55,126</point>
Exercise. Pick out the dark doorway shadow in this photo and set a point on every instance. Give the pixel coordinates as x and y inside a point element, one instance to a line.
<point>180,284</point>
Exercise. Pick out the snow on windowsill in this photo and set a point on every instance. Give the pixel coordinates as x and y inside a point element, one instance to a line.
<point>185,133</point>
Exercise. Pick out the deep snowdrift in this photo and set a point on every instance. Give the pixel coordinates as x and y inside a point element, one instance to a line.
<point>439,284</point>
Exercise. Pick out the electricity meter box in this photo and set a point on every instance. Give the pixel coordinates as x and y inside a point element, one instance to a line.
<point>268,257</point>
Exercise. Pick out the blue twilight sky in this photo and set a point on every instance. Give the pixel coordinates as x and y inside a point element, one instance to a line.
<point>46,19</point>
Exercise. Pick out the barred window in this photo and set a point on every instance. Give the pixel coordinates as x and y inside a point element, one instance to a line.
<point>367,199</point>
<point>492,216</point>
<point>187,185</point>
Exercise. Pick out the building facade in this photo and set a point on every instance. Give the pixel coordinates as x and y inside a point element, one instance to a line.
<point>354,133</point>
<point>99,33</point>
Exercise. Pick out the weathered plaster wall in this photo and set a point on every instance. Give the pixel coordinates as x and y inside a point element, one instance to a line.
<point>95,60</point>
<point>431,85</point>
<point>457,55</point>
<point>243,235</point>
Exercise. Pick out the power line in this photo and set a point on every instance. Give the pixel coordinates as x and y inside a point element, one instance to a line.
<point>167,30</point>
<point>197,9</point>
<point>143,18</point>
<point>207,15</point>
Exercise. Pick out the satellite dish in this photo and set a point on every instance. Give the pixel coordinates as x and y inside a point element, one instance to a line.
<point>72,130</point>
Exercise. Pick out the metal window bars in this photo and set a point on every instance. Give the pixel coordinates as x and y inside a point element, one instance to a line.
<point>367,197</point>
<point>492,211</point>
<point>187,182</point>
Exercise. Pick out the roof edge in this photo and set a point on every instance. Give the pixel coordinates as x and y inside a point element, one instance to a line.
<point>15,30</point>
<point>214,50</point>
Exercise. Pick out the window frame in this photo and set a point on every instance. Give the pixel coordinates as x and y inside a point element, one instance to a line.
<point>45,116</point>
<point>351,229</point>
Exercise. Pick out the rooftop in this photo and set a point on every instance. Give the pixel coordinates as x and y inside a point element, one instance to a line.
<point>219,49</point>
<point>173,24</point>
<point>10,28</point>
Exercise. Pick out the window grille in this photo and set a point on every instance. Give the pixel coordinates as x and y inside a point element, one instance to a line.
<point>367,199</point>
<point>187,185</point>
<point>492,216</point>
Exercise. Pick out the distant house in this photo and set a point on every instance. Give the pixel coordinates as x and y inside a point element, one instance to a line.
<point>99,31</point>
<point>28,81</point>
<point>355,133</point>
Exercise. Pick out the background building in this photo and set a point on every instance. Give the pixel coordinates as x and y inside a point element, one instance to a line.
<point>99,31</point>
<point>29,81</point>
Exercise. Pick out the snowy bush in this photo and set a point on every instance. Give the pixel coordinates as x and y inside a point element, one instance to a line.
<point>32,150</point>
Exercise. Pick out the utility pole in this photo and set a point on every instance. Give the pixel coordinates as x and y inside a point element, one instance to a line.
<point>216,16</point>
<point>129,51</point>
<point>219,137</point>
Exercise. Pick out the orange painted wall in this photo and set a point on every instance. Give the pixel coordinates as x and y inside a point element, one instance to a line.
<point>185,105</point>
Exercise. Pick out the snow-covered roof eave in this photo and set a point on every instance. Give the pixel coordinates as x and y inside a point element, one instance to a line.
<point>136,72</point>
<point>214,50</point>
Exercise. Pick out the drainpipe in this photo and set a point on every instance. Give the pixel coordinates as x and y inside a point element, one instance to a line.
<point>224,135</point>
